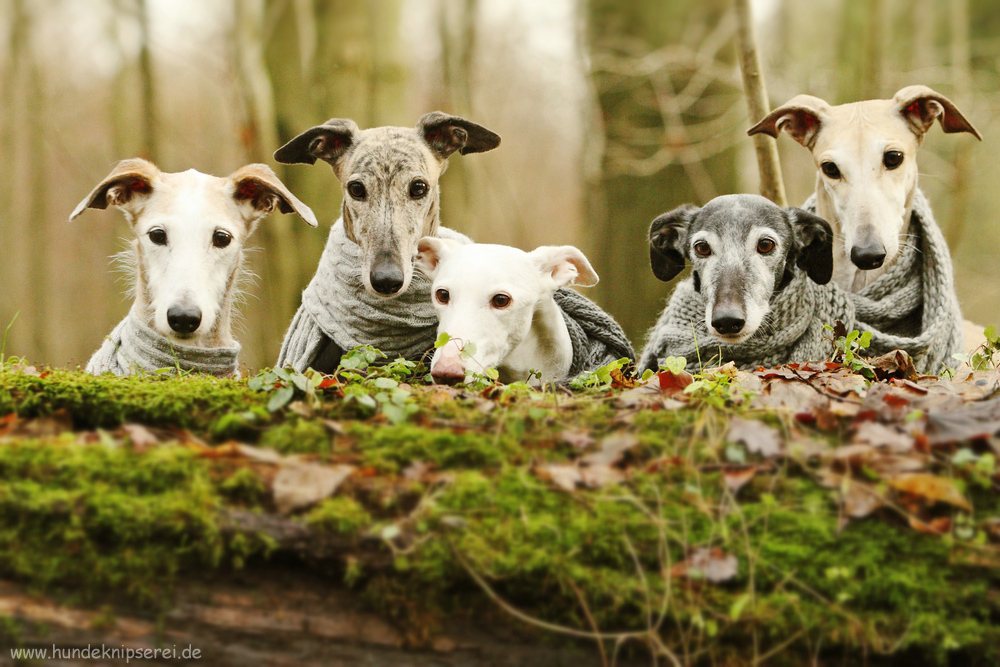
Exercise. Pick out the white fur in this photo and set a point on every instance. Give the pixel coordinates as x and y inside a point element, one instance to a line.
<point>189,270</point>
<point>528,335</point>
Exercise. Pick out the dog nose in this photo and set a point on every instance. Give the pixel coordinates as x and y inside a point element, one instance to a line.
<point>386,278</point>
<point>184,319</point>
<point>448,371</point>
<point>728,324</point>
<point>868,257</point>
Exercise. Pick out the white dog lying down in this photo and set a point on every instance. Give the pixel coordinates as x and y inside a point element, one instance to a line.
<point>186,258</point>
<point>501,300</point>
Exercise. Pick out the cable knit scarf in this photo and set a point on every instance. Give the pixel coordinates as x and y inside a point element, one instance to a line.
<point>133,346</point>
<point>336,306</point>
<point>913,305</point>
<point>792,330</point>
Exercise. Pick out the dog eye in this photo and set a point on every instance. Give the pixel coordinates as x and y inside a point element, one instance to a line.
<point>765,246</point>
<point>703,248</point>
<point>221,238</point>
<point>830,169</point>
<point>442,296</point>
<point>356,189</point>
<point>892,159</point>
<point>500,300</point>
<point>418,189</point>
<point>158,236</point>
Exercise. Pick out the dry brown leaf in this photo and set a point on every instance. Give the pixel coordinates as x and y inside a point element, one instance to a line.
<point>299,485</point>
<point>599,475</point>
<point>564,475</point>
<point>737,478</point>
<point>758,437</point>
<point>881,435</point>
<point>141,436</point>
<point>613,449</point>
<point>930,488</point>
<point>578,439</point>
<point>709,563</point>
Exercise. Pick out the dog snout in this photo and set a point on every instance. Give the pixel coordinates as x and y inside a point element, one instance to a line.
<point>184,319</point>
<point>386,275</point>
<point>448,371</point>
<point>728,321</point>
<point>868,257</point>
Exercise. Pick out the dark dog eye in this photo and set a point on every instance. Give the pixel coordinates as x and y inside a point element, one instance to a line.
<point>221,238</point>
<point>418,189</point>
<point>500,300</point>
<point>892,159</point>
<point>765,245</point>
<point>830,169</point>
<point>442,296</point>
<point>703,248</point>
<point>356,189</point>
<point>158,236</point>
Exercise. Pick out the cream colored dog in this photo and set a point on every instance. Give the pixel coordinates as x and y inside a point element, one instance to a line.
<point>866,161</point>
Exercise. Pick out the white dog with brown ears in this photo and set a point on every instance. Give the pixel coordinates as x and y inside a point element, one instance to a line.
<point>186,258</point>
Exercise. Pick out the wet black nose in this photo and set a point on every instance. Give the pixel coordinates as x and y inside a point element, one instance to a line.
<point>387,278</point>
<point>868,257</point>
<point>728,324</point>
<point>184,319</point>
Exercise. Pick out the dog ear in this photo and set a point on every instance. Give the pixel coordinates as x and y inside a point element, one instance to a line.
<point>565,264</point>
<point>128,186</point>
<point>258,191</point>
<point>446,134</point>
<point>430,251</point>
<point>328,142</point>
<point>667,241</point>
<point>814,245</point>
<point>919,106</point>
<point>801,117</point>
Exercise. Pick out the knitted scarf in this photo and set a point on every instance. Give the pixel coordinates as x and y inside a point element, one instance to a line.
<point>791,331</point>
<point>913,305</point>
<point>133,346</point>
<point>336,307</point>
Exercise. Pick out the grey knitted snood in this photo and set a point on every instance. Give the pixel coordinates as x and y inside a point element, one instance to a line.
<point>133,346</point>
<point>336,307</point>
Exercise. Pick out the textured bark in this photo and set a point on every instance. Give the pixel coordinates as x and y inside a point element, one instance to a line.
<point>771,185</point>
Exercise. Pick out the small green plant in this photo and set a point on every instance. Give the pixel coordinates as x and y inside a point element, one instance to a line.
<point>473,379</point>
<point>282,384</point>
<point>715,387</point>
<point>601,378</point>
<point>848,347</point>
<point>675,365</point>
<point>986,355</point>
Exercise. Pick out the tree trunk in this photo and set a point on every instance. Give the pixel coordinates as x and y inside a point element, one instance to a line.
<point>962,77</point>
<point>771,185</point>
<point>147,82</point>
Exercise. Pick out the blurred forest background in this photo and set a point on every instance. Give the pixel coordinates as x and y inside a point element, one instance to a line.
<point>611,112</point>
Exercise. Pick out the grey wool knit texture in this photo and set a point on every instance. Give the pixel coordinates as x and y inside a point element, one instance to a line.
<point>335,305</point>
<point>912,307</point>
<point>135,347</point>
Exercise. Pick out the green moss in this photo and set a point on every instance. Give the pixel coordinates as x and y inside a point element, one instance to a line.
<point>341,515</point>
<point>298,436</point>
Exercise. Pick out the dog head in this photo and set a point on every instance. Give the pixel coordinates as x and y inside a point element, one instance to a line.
<point>866,156</point>
<point>742,249</point>
<point>190,229</point>
<point>389,177</point>
<point>488,295</point>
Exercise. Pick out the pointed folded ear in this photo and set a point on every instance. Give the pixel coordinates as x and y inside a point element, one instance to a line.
<point>565,264</point>
<point>258,191</point>
<point>801,117</point>
<point>430,251</point>
<point>446,134</point>
<point>814,245</point>
<point>919,106</point>
<point>328,142</point>
<point>667,241</point>
<point>128,187</point>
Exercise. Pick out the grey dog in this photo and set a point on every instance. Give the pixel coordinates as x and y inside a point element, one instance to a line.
<point>389,177</point>
<point>752,294</point>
